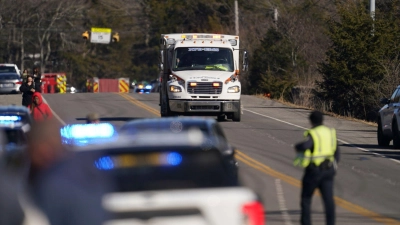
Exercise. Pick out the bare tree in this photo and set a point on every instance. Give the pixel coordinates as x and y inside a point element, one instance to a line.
<point>52,16</point>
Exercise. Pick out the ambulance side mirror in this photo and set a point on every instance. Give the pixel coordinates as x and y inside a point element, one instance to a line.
<point>245,61</point>
<point>162,60</point>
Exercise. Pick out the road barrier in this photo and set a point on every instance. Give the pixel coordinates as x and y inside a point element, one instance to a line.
<point>108,85</point>
<point>123,85</point>
<point>62,83</point>
<point>96,85</point>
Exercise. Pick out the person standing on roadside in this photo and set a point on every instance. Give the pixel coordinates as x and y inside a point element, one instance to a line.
<point>28,88</point>
<point>319,155</point>
<point>40,111</point>
<point>37,79</point>
<point>25,75</point>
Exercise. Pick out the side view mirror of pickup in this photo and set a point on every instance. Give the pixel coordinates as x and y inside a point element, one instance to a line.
<point>385,101</point>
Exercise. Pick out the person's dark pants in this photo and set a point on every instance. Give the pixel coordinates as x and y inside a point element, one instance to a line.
<point>323,180</point>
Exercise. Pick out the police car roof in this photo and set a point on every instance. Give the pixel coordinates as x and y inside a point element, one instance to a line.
<point>191,139</point>
<point>14,109</point>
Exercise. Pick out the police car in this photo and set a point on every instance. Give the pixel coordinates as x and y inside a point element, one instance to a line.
<point>210,128</point>
<point>168,178</point>
<point>143,88</point>
<point>15,122</point>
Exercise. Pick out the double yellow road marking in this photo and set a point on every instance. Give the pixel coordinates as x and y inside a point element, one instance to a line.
<point>140,104</point>
<point>288,179</point>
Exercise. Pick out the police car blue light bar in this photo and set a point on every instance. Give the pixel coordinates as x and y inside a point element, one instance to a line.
<point>9,119</point>
<point>83,131</point>
<point>131,160</point>
<point>83,134</point>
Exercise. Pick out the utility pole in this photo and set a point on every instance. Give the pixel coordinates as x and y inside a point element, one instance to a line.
<point>372,8</point>
<point>236,17</point>
<point>372,13</point>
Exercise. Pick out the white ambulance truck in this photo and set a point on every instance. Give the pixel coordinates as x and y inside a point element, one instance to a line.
<point>200,75</point>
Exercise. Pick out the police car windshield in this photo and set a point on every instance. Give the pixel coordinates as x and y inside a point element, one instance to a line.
<point>220,59</point>
<point>164,168</point>
<point>15,136</point>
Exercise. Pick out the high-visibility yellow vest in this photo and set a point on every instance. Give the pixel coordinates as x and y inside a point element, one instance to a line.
<point>325,142</point>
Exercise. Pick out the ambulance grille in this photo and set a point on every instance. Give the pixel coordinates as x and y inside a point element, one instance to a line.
<point>205,88</point>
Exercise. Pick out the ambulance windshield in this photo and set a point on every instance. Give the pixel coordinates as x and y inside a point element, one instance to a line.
<point>203,59</point>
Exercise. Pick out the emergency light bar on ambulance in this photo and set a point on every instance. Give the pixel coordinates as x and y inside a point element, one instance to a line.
<point>171,41</point>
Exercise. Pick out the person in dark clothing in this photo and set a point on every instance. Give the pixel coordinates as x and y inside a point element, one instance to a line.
<point>319,155</point>
<point>38,83</point>
<point>28,88</point>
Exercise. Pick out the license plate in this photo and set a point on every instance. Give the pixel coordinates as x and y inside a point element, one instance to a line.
<point>6,85</point>
<point>153,159</point>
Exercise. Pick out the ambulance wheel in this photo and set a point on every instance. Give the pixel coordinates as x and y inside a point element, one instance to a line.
<point>237,115</point>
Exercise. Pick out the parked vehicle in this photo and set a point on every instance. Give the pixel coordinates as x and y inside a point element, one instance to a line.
<point>10,83</point>
<point>389,120</point>
<point>9,68</point>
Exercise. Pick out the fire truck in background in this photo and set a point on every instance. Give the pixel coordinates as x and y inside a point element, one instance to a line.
<point>54,83</point>
<point>200,75</point>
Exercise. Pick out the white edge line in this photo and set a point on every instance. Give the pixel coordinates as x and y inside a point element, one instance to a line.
<point>395,160</point>
<point>282,202</point>
<point>54,113</point>
<point>344,142</point>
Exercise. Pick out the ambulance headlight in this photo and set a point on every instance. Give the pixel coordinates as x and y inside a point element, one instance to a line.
<point>174,88</point>
<point>233,42</point>
<point>234,89</point>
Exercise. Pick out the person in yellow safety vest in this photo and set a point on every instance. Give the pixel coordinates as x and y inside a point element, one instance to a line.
<point>319,155</point>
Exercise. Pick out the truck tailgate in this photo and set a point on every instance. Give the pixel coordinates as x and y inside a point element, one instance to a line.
<point>213,206</point>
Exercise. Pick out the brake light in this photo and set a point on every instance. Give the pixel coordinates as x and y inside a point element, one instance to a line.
<point>18,82</point>
<point>254,213</point>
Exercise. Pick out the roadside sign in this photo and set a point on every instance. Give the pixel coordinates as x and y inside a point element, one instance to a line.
<point>100,35</point>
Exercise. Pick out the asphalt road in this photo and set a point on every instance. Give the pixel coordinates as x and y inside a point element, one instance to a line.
<point>367,184</point>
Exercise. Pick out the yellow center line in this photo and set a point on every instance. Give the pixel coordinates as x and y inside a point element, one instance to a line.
<point>293,181</point>
<point>139,104</point>
<point>288,179</point>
